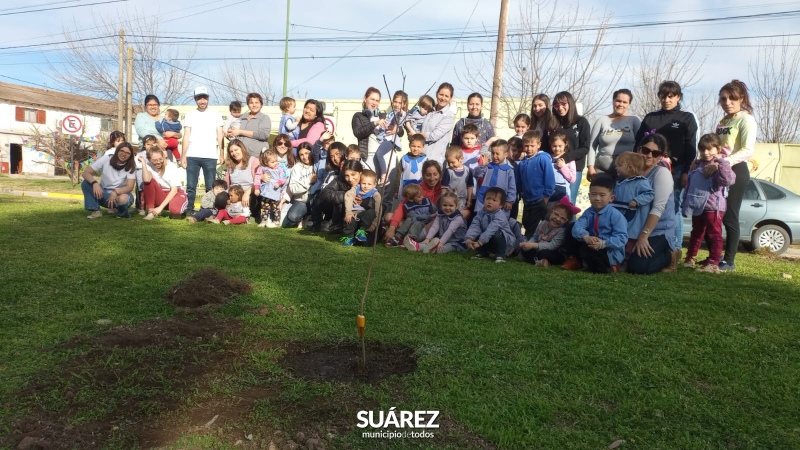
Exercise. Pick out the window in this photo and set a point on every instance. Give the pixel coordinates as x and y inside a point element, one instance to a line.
<point>751,192</point>
<point>30,115</point>
<point>771,192</point>
<point>106,124</point>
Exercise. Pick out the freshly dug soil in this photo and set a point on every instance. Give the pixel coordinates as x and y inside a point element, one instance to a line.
<point>206,287</point>
<point>342,362</point>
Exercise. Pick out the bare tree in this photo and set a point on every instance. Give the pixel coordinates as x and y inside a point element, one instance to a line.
<point>66,152</point>
<point>92,67</point>
<point>669,61</point>
<point>775,85</point>
<point>706,110</point>
<point>239,79</point>
<point>554,50</point>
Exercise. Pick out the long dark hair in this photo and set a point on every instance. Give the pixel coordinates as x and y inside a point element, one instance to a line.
<point>130,164</point>
<point>318,105</point>
<point>547,121</point>
<point>572,113</point>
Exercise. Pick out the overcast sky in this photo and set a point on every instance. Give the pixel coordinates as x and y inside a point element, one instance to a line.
<point>348,77</point>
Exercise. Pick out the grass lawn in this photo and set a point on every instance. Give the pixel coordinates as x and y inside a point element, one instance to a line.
<point>514,356</point>
<point>56,185</point>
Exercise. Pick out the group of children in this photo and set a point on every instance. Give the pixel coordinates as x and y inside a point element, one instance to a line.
<point>472,203</point>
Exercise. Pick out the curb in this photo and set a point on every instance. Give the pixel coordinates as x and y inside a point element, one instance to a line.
<point>42,194</point>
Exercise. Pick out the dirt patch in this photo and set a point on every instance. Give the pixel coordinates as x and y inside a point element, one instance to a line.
<point>341,363</point>
<point>206,287</point>
<point>99,396</point>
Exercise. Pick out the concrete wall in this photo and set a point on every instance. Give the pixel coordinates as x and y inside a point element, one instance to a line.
<point>14,132</point>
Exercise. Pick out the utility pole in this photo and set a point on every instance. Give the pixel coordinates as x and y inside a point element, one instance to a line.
<point>129,97</point>
<point>497,82</point>
<point>286,49</point>
<point>120,81</point>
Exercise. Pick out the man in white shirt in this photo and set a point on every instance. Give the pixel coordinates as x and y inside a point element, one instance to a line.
<point>202,146</point>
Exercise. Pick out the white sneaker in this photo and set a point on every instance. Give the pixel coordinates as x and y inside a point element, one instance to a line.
<point>430,245</point>
<point>95,215</point>
<point>270,224</point>
<point>141,212</point>
<point>149,216</point>
<point>263,224</point>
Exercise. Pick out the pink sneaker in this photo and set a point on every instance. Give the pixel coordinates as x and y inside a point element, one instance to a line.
<point>411,244</point>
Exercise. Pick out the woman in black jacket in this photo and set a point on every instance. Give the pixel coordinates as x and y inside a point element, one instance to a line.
<point>365,122</point>
<point>680,129</point>
<point>331,199</point>
<point>578,133</point>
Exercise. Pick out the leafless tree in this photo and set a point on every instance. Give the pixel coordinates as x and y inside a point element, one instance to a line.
<point>91,60</point>
<point>554,50</point>
<point>65,152</point>
<point>238,79</point>
<point>775,88</point>
<point>671,60</point>
<point>705,107</point>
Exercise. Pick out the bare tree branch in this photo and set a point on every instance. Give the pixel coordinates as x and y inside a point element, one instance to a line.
<point>91,60</point>
<point>555,51</point>
<point>775,88</point>
<point>667,62</point>
<point>238,80</point>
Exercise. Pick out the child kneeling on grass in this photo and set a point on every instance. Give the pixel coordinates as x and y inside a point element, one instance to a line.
<point>447,230</point>
<point>546,246</point>
<point>361,204</point>
<point>491,231</point>
<point>602,229</point>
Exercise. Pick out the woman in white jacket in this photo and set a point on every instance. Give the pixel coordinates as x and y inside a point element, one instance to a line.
<point>437,127</point>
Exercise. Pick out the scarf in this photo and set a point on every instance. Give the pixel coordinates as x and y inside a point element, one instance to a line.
<point>413,160</point>
<point>367,194</point>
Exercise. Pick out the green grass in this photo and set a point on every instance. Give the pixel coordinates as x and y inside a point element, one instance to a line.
<point>57,185</point>
<point>524,357</point>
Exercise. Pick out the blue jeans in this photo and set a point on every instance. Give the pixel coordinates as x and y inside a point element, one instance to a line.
<point>575,187</point>
<point>90,203</point>
<point>193,166</point>
<point>295,215</point>
<point>676,179</point>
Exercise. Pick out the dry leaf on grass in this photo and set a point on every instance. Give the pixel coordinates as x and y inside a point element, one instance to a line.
<point>616,444</point>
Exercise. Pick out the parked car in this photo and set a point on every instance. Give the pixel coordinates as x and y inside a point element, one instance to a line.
<point>769,217</point>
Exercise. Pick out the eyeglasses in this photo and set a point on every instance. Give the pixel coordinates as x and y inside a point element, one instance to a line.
<point>560,104</point>
<point>647,151</point>
<point>282,144</point>
<point>124,152</point>
<point>151,104</point>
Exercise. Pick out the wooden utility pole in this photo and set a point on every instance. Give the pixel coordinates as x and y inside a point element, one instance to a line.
<point>129,97</point>
<point>497,82</point>
<point>120,81</point>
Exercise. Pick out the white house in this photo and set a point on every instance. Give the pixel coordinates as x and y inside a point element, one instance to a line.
<point>23,108</point>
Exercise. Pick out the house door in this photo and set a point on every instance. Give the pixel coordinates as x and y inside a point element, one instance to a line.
<point>16,158</point>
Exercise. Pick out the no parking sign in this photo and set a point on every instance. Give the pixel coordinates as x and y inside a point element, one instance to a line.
<point>72,124</point>
<point>330,124</point>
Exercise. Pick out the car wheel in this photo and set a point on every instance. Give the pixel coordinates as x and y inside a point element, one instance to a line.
<point>772,237</point>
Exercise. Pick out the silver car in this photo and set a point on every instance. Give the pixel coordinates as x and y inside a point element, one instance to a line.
<point>769,217</point>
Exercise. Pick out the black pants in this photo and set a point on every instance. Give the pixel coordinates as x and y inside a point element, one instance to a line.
<point>731,218</point>
<point>362,221</point>
<point>255,207</point>
<point>661,257</point>
<point>595,260</point>
<point>554,257</point>
<point>532,214</point>
<point>496,245</point>
<point>514,209</point>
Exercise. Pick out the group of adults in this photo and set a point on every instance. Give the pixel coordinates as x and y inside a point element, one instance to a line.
<point>666,138</point>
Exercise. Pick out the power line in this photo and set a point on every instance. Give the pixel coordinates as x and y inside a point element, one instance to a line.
<point>62,7</point>
<point>354,48</point>
<point>447,63</point>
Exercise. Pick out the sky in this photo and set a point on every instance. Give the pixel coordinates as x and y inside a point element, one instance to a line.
<point>457,22</point>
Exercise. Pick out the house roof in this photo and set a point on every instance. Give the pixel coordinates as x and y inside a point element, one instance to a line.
<point>47,98</point>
